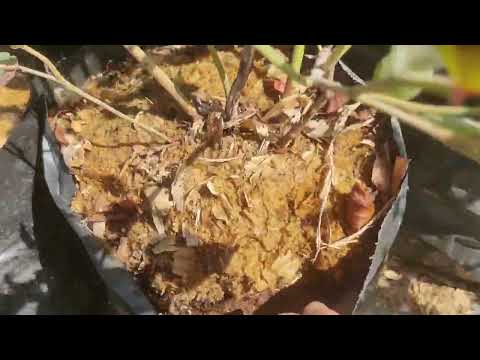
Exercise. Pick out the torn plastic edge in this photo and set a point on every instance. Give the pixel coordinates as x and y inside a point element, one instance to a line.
<point>120,283</point>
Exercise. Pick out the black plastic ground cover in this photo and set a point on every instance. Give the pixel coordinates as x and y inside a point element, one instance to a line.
<point>123,288</point>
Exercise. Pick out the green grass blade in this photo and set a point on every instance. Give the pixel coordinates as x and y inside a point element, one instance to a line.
<point>221,70</point>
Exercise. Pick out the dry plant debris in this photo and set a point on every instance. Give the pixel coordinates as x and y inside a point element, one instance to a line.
<point>210,228</point>
<point>14,99</point>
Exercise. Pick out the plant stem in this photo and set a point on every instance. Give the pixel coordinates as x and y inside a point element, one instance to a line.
<point>246,64</point>
<point>43,59</point>
<point>221,70</point>
<point>297,58</point>
<point>338,52</point>
<point>411,119</point>
<point>437,85</point>
<point>162,79</point>
<point>61,81</point>
<point>297,61</point>
<point>274,56</point>
<point>425,108</point>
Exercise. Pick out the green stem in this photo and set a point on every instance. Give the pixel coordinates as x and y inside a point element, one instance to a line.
<point>221,70</point>
<point>413,120</point>
<point>425,108</point>
<point>297,57</point>
<point>437,85</point>
<point>338,52</point>
<point>275,57</point>
<point>297,61</point>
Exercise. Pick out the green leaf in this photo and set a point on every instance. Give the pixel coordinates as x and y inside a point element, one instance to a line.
<point>278,59</point>
<point>221,70</point>
<point>463,134</point>
<point>416,60</point>
<point>459,132</point>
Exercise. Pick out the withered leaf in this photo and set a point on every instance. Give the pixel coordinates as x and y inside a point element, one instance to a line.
<point>287,268</point>
<point>317,129</point>
<point>382,170</point>
<point>73,155</point>
<point>60,134</point>
<point>274,86</point>
<point>336,102</point>
<point>123,250</point>
<point>160,203</point>
<point>98,229</point>
<point>102,204</point>
<point>359,207</point>
<point>159,199</point>
<point>400,168</point>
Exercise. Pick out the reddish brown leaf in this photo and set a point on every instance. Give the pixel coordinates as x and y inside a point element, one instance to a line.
<point>359,207</point>
<point>60,134</point>
<point>274,86</point>
<point>382,170</point>
<point>399,171</point>
<point>336,102</point>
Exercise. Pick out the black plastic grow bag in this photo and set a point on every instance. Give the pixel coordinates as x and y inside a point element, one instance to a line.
<point>123,288</point>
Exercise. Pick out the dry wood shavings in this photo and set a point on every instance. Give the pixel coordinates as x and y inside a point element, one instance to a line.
<point>233,222</point>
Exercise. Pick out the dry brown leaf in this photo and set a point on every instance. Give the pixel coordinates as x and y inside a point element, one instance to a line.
<point>123,250</point>
<point>336,103</point>
<point>382,170</point>
<point>359,207</point>
<point>212,189</point>
<point>73,155</point>
<point>219,213</point>
<point>160,204</point>
<point>400,168</point>
<point>316,129</point>
<point>60,133</point>
<point>178,189</point>
<point>287,268</point>
<point>14,99</point>
<point>159,199</point>
<point>262,129</point>
<point>77,125</point>
<point>98,229</point>
<point>102,204</point>
<point>293,114</point>
<point>274,86</point>
<point>290,102</point>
